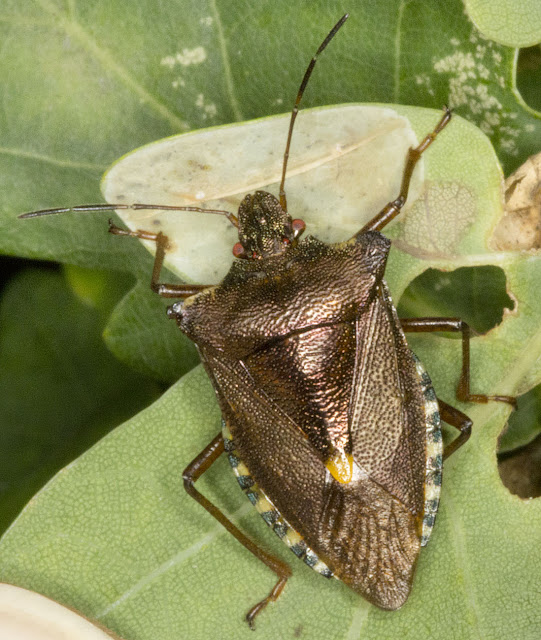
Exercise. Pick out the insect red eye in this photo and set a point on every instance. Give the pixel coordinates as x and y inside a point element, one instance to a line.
<point>286,241</point>
<point>298,226</point>
<point>238,251</point>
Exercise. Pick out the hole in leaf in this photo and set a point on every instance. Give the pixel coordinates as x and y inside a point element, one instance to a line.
<point>519,455</point>
<point>477,295</point>
<point>520,470</point>
<point>529,76</point>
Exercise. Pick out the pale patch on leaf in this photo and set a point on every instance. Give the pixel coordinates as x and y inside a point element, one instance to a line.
<point>185,58</point>
<point>346,163</point>
<point>469,73</point>
<point>209,109</point>
<point>438,220</point>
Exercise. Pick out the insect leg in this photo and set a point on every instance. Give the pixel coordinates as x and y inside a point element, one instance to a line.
<point>392,209</point>
<point>193,472</point>
<point>418,325</point>
<point>457,419</point>
<point>162,245</point>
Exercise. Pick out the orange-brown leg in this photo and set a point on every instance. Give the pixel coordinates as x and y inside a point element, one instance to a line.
<point>392,209</point>
<point>195,470</point>
<point>162,245</point>
<point>423,325</point>
<point>449,414</point>
<point>456,419</point>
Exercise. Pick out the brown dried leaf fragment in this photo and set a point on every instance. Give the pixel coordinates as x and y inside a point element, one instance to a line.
<point>520,227</point>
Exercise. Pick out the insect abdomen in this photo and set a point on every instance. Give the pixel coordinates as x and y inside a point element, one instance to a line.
<point>268,511</point>
<point>434,451</point>
<point>274,519</point>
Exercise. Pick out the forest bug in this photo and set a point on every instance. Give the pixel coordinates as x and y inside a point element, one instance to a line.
<point>330,422</point>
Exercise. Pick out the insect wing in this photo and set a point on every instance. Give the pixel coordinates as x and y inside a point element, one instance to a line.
<point>343,167</point>
<point>387,419</point>
<point>368,538</point>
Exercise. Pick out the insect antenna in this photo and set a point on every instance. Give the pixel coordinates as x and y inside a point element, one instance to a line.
<point>308,73</point>
<point>134,207</point>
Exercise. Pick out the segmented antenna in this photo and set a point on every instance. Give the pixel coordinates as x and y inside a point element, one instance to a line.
<point>230,216</point>
<point>134,207</point>
<point>308,73</point>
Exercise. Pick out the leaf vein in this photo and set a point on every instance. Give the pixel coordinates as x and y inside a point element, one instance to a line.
<point>177,559</point>
<point>227,66</point>
<point>32,155</point>
<point>459,538</point>
<point>106,59</point>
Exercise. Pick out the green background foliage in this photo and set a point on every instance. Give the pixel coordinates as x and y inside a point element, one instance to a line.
<point>114,535</point>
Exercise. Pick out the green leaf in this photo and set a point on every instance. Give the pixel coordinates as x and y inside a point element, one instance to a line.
<point>97,288</point>
<point>114,535</point>
<point>60,388</point>
<point>136,332</point>
<point>516,24</point>
<point>139,334</point>
<point>529,76</point>
<point>525,424</point>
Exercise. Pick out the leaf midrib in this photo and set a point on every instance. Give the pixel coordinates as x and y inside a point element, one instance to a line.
<point>75,30</point>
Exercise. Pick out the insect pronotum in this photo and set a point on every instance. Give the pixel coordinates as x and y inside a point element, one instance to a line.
<point>330,422</point>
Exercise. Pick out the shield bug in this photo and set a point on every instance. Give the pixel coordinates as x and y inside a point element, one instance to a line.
<point>330,422</point>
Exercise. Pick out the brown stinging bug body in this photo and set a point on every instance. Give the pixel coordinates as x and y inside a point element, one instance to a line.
<point>330,422</point>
